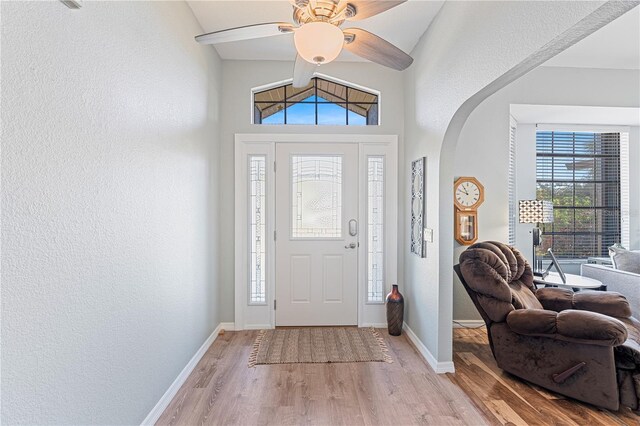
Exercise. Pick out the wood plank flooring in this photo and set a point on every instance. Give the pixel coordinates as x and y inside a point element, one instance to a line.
<point>223,391</point>
<point>505,399</point>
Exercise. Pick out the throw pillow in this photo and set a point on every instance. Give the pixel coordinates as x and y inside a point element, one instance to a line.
<point>625,260</point>
<point>615,246</point>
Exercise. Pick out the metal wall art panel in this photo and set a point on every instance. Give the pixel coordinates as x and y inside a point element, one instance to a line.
<point>418,197</point>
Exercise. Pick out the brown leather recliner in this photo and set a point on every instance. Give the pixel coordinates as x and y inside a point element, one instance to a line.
<point>583,345</point>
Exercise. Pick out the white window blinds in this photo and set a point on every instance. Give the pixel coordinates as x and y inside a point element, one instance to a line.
<point>513,211</point>
<point>580,172</point>
<point>625,208</point>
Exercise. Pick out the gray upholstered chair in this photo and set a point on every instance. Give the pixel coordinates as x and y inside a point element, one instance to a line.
<point>623,282</point>
<point>582,345</point>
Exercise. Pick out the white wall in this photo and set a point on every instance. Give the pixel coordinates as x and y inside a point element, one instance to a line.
<point>483,147</point>
<point>110,168</point>
<point>109,153</point>
<point>471,50</point>
<point>525,183</point>
<point>239,77</point>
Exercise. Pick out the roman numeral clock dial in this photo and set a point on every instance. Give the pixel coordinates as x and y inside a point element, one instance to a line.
<point>468,195</point>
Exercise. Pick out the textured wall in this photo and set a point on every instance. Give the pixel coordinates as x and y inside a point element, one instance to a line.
<point>239,78</point>
<point>483,147</point>
<point>109,153</point>
<point>471,50</point>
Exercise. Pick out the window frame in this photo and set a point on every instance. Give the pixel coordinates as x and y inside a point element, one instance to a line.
<point>346,84</point>
<point>622,152</point>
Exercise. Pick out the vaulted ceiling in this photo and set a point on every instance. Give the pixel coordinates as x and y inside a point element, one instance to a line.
<point>402,26</point>
<point>615,46</point>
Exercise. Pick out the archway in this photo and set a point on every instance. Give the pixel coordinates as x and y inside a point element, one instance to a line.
<point>470,51</point>
<point>594,21</point>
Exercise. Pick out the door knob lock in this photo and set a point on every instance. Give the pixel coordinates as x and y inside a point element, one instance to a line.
<point>353,227</point>
<point>350,246</point>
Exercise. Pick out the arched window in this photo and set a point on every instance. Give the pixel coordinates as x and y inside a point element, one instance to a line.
<point>322,102</point>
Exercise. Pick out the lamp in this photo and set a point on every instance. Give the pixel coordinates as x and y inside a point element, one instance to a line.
<point>318,42</point>
<point>536,211</point>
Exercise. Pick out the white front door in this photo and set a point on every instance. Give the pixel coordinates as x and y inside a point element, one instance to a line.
<point>317,234</point>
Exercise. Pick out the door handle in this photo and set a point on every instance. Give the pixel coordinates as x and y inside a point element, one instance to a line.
<point>350,246</point>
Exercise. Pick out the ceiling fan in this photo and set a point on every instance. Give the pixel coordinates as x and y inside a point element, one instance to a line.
<point>318,38</point>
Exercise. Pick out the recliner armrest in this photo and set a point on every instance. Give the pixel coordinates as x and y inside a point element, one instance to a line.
<point>603,302</point>
<point>570,325</point>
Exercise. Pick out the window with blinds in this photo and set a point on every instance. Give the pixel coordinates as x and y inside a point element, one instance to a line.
<point>580,173</point>
<point>625,189</point>
<point>512,183</point>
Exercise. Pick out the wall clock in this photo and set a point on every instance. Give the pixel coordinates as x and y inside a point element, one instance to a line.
<point>468,195</point>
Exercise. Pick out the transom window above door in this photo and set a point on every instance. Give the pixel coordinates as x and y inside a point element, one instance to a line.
<point>321,102</point>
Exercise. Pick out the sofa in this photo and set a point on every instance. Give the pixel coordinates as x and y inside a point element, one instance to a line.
<point>583,345</point>
<point>625,283</point>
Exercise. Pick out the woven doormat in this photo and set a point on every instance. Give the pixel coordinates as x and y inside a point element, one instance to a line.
<point>318,345</point>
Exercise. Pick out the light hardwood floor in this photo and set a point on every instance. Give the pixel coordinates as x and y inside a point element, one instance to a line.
<point>222,390</point>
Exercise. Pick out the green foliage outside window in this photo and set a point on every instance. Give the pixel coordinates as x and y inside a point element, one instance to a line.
<point>580,173</point>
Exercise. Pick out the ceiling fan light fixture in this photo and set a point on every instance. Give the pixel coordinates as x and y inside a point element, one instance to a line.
<point>319,42</point>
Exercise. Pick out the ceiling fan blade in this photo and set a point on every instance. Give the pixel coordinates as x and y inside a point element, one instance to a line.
<point>368,8</point>
<point>302,72</point>
<point>375,49</point>
<point>245,33</point>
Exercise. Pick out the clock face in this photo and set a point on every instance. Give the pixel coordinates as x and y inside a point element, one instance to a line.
<point>467,194</point>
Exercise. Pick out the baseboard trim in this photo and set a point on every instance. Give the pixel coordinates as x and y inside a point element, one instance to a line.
<point>438,367</point>
<point>163,403</point>
<point>374,325</point>
<point>257,327</point>
<point>228,326</point>
<point>468,323</point>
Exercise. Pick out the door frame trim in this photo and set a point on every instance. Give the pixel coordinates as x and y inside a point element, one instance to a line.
<point>263,316</point>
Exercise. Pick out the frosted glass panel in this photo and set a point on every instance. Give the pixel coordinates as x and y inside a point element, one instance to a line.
<point>257,206</point>
<point>316,197</point>
<point>375,229</point>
